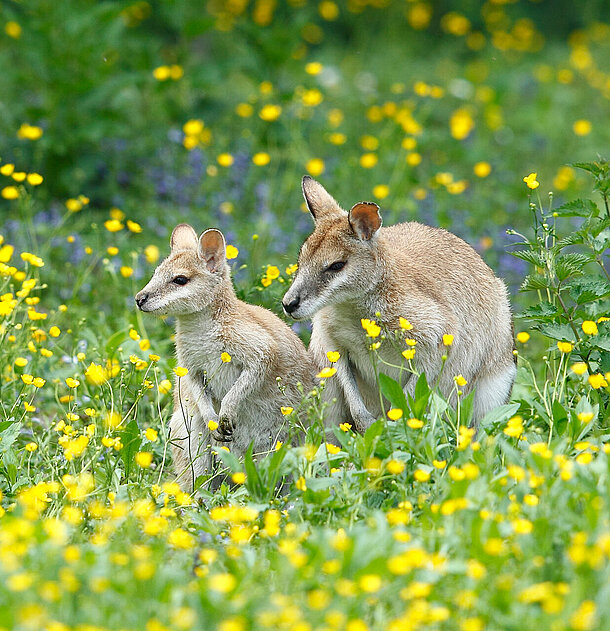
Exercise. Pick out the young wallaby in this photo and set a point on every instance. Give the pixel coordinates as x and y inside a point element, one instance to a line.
<point>244,364</point>
<point>351,268</point>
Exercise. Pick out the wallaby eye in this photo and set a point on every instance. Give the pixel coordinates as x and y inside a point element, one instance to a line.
<point>180,280</point>
<point>336,266</point>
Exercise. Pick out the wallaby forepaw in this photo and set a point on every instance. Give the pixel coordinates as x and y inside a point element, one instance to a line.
<point>224,432</point>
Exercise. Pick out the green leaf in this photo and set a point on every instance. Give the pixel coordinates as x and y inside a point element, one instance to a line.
<point>491,421</point>
<point>114,341</point>
<point>131,439</point>
<point>535,258</point>
<point>254,484</point>
<point>591,167</point>
<point>422,395</point>
<point>392,391</point>
<point>534,282</point>
<point>571,264</point>
<point>561,332</point>
<point>571,239</point>
<point>583,290</point>
<point>577,208</point>
<point>541,311</point>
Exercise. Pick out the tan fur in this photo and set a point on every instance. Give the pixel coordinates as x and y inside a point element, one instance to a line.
<point>427,275</point>
<point>242,395</point>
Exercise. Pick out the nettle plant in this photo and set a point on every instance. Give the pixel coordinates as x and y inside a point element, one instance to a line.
<point>568,252</point>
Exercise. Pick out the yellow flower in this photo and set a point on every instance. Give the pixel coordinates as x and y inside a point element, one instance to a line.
<point>447,339</point>
<point>29,132</point>
<point>72,383</point>
<point>415,423</point>
<point>395,467</point>
<point>180,371</point>
<point>589,327</point>
<point>531,181</point>
<point>394,414</point>
<point>144,459</point>
<point>35,179</point>
<point>313,68</point>
<point>244,110</point>
<point>482,169</point>
<point>326,373</point>
<point>421,475</point>
<point>381,191</point>
<point>370,583</point>
<point>461,124</point>
<point>12,29</point>
<point>225,159</point>
<point>162,73</point>
<point>405,324</point>
<point>582,127</point>
<point>132,226</point>
<point>113,225</point>
<point>21,362</point>
<point>286,411</point>
<point>345,427</point>
<point>225,358</point>
<point>270,112</point>
<point>151,434</point>
<point>460,381</point>
<point>597,381</point>
<point>315,166</point>
<point>231,252</point>
<point>333,356</point>
<point>222,583</point>
<point>31,447</point>
<point>273,272</point>
<point>261,159</point>
<point>74,205</point>
<point>126,271</point>
<point>579,368</point>
<point>300,484</point>
<point>368,160</point>
<point>239,477</point>
<point>565,347</point>
<point>165,386</point>
<point>193,127</point>
<point>332,449</point>
<point>151,252</point>
<point>409,354</point>
<point>10,192</point>
<point>212,425</point>
<point>54,331</point>
<point>585,417</point>
<point>523,337</point>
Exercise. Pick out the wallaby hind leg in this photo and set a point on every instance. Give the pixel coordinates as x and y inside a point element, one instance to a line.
<point>492,390</point>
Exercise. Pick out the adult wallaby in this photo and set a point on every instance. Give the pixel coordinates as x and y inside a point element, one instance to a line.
<point>244,364</point>
<point>351,269</point>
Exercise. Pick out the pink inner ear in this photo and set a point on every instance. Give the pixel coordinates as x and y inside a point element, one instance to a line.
<point>365,220</point>
<point>212,249</point>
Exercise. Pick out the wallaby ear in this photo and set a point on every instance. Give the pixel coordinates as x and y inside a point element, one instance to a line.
<point>365,220</point>
<point>319,201</point>
<point>183,238</point>
<point>212,249</point>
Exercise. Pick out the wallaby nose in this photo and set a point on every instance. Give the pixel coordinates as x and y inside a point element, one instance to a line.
<point>291,306</point>
<point>141,299</point>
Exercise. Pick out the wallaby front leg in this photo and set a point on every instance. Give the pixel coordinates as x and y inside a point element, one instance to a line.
<point>248,382</point>
<point>201,398</point>
<point>362,418</point>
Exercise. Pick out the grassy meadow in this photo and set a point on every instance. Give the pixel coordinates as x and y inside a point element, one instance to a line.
<point>119,120</point>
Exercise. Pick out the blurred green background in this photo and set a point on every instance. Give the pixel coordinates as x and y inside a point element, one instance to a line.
<point>210,112</point>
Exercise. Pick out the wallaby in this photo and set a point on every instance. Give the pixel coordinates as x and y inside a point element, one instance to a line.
<point>244,364</point>
<point>351,268</point>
